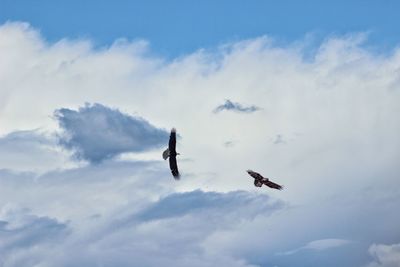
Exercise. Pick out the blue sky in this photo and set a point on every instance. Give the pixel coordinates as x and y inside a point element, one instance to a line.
<point>304,93</point>
<point>179,27</point>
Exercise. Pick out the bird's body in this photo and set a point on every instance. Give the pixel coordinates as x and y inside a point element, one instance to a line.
<point>259,180</point>
<point>171,154</point>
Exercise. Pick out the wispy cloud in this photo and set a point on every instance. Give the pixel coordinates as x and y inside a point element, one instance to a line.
<point>235,106</point>
<point>17,148</point>
<point>96,132</point>
<point>319,245</point>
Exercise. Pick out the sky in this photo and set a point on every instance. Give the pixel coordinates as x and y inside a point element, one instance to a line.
<point>175,27</point>
<point>306,94</point>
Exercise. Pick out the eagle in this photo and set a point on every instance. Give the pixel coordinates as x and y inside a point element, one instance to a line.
<point>259,180</point>
<point>170,153</point>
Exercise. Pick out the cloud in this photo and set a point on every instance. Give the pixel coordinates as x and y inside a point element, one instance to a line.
<point>385,255</point>
<point>181,223</point>
<point>31,150</point>
<point>336,110</point>
<point>105,228</point>
<point>21,232</point>
<point>234,106</point>
<point>318,245</point>
<point>21,228</point>
<point>96,132</point>
<point>179,204</point>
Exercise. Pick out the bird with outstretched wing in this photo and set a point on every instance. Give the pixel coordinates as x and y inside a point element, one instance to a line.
<point>170,153</point>
<point>259,180</point>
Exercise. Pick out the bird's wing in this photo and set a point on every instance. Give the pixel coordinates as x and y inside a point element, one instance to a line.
<point>255,175</point>
<point>273,185</point>
<point>172,154</point>
<point>174,167</point>
<point>172,142</point>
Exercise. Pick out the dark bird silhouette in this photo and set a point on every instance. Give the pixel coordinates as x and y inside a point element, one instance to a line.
<point>170,153</point>
<point>259,180</point>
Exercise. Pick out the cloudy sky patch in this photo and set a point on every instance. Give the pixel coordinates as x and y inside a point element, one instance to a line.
<point>340,172</point>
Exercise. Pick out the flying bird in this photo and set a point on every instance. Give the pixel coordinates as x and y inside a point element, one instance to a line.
<point>170,153</point>
<point>259,180</point>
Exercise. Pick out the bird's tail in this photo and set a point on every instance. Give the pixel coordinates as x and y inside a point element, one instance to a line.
<point>165,154</point>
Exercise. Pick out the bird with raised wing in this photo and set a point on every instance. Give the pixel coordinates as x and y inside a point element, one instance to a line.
<point>259,180</point>
<point>170,153</point>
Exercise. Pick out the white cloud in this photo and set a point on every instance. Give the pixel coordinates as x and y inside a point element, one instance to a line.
<point>385,255</point>
<point>32,150</point>
<point>337,113</point>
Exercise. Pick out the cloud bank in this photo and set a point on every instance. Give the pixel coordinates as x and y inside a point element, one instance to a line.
<point>123,225</point>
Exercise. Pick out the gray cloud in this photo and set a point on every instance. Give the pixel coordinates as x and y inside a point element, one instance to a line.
<point>18,227</point>
<point>180,204</point>
<point>96,132</point>
<point>21,231</point>
<point>234,106</point>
